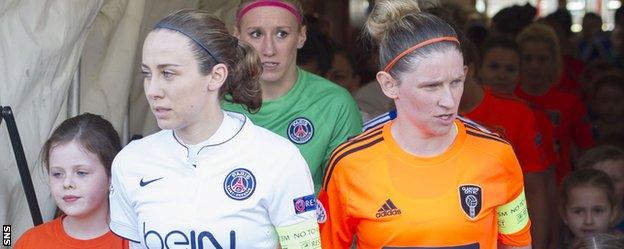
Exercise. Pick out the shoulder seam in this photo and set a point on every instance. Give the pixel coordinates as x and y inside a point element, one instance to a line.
<point>486,136</point>
<point>488,132</point>
<point>362,137</point>
<point>365,133</point>
<point>470,124</point>
<point>332,164</point>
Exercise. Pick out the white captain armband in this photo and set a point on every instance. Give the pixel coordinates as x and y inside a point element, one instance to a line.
<point>513,216</point>
<point>301,235</point>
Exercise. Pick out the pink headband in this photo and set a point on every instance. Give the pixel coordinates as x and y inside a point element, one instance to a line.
<point>271,3</point>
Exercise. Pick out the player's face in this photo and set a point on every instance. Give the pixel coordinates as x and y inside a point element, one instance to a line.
<point>342,73</point>
<point>276,35</point>
<point>429,96</point>
<point>176,91</point>
<point>615,170</point>
<point>538,63</point>
<point>609,103</point>
<point>588,211</point>
<point>500,69</point>
<point>78,180</point>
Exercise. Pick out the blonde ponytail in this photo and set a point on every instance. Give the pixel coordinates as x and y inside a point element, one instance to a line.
<point>397,25</point>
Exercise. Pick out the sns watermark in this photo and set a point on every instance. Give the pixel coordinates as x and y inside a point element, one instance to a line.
<point>6,235</point>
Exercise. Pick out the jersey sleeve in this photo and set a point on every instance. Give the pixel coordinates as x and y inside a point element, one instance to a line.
<point>134,245</point>
<point>348,123</point>
<point>528,147</point>
<point>292,207</point>
<point>124,219</point>
<point>19,244</point>
<point>512,216</point>
<point>29,239</point>
<point>581,127</point>
<point>337,227</point>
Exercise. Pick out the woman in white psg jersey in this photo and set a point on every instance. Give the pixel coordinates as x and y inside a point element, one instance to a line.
<point>209,178</point>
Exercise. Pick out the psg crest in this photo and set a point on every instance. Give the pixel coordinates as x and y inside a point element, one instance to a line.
<point>300,130</point>
<point>239,184</point>
<point>471,199</point>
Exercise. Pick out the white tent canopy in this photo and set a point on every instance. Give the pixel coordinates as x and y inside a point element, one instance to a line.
<point>42,43</point>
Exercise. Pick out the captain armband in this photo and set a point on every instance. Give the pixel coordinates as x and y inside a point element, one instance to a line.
<point>513,216</point>
<point>301,235</point>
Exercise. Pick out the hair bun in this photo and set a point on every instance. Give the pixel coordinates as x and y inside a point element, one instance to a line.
<point>386,13</point>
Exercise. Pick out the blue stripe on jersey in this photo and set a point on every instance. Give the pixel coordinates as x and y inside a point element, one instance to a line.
<point>384,118</point>
<point>381,119</point>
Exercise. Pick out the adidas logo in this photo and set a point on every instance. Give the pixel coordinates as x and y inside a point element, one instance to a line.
<point>388,209</point>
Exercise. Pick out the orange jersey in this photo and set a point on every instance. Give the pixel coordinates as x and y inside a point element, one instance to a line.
<point>52,235</point>
<point>389,198</point>
<point>513,119</point>
<point>568,115</point>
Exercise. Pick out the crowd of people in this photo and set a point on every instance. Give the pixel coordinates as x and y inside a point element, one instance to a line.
<point>473,133</point>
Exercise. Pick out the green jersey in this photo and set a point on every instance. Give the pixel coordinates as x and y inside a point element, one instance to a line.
<point>315,114</point>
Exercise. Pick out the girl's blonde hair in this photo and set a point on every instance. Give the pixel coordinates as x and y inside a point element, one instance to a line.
<point>545,34</point>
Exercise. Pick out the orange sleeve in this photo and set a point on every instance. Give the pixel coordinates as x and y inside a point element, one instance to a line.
<point>515,188</point>
<point>36,237</point>
<point>20,243</point>
<point>338,228</point>
<point>581,127</point>
<point>528,146</point>
<point>519,241</point>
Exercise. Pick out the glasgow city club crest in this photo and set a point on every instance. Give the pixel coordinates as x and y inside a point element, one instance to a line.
<point>239,184</point>
<point>470,198</point>
<point>300,130</point>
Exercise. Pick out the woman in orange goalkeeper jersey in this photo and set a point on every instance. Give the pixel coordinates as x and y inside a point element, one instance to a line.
<point>427,178</point>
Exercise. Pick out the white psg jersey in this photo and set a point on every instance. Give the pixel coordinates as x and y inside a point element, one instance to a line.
<point>231,191</point>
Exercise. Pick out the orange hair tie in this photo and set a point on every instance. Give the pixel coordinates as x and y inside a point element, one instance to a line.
<point>417,46</point>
